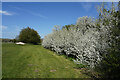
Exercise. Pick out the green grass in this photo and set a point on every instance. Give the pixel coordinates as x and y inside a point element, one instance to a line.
<point>34,61</point>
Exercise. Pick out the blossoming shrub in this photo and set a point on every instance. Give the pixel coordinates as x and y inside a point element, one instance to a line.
<point>109,67</point>
<point>87,40</point>
<point>81,41</point>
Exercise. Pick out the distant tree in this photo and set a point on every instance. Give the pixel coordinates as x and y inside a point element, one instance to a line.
<point>29,35</point>
<point>14,40</point>
<point>7,40</point>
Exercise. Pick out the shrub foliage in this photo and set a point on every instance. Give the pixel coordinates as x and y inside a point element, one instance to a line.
<point>29,35</point>
<point>87,40</point>
<point>109,67</point>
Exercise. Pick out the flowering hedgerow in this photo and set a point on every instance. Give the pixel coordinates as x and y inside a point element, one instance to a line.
<point>87,40</point>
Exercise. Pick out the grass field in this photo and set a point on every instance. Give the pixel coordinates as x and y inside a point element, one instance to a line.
<point>34,61</point>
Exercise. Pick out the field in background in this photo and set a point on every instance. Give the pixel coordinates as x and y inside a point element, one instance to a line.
<point>34,61</point>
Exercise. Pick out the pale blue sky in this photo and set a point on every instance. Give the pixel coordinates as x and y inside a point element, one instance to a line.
<point>60,0</point>
<point>43,16</point>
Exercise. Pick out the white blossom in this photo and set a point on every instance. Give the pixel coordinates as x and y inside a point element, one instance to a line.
<point>85,40</point>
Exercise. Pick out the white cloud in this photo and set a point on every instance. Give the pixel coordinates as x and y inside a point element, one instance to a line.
<point>37,14</point>
<point>3,27</point>
<point>5,13</point>
<point>31,12</point>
